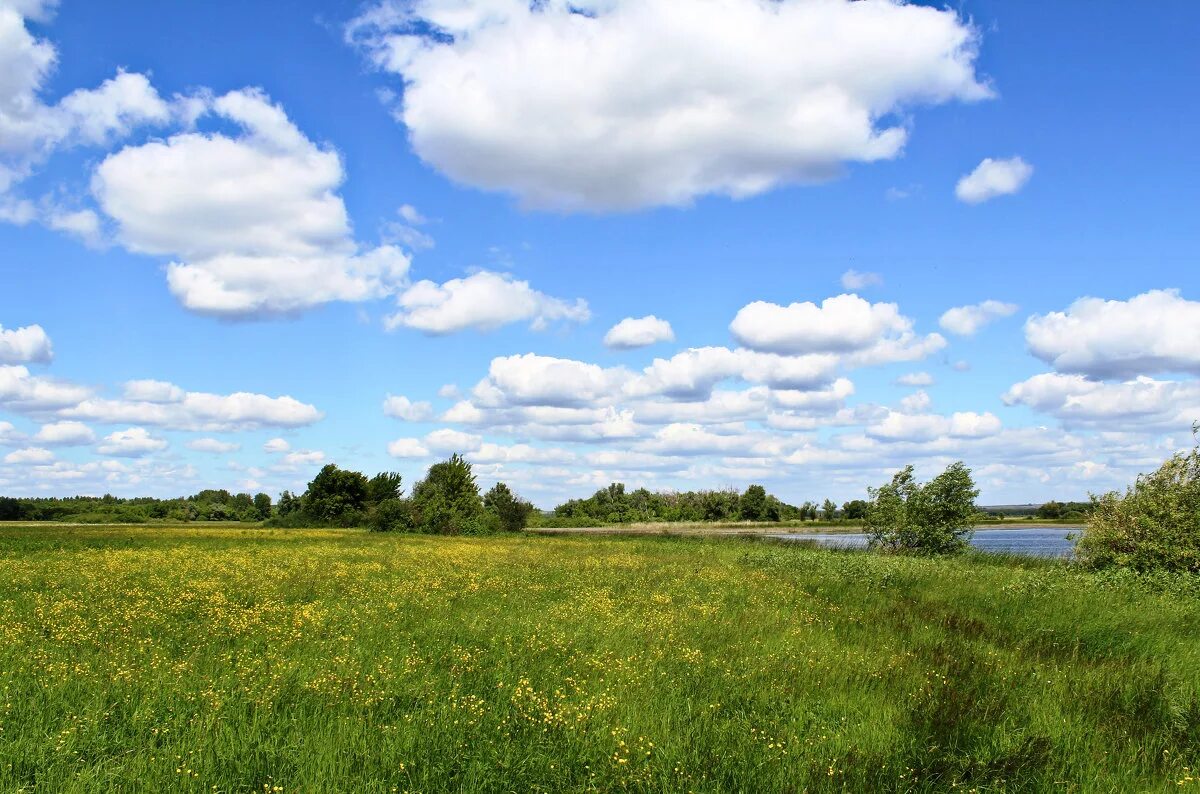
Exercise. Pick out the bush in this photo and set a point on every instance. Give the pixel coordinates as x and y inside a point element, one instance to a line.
<point>935,518</point>
<point>1155,526</point>
<point>391,515</point>
<point>511,512</point>
<point>447,501</point>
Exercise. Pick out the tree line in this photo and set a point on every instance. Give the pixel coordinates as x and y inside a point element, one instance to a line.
<point>617,505</point>
<point>446,502</point>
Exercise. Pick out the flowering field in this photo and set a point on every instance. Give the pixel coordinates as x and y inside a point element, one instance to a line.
<point>219,660</point>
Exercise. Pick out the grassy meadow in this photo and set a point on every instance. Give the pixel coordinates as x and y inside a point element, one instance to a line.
<point>223,660</point>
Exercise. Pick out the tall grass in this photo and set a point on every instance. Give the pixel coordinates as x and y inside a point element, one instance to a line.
<point>137,659</point>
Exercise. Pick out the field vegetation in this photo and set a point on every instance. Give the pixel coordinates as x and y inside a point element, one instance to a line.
<point>177,659</point>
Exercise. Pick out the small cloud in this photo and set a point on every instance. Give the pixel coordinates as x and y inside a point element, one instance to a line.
<point>407,448</point>
<point>213,445</point>
<point>856,280</point>
<point>29,455</point>
<point>967,320</point>
<point>915,379</point>
<point>132,443</point>
<point>637,332</point>
<point>992,178</point>
<point>276,446</point>
<point>400,407</point>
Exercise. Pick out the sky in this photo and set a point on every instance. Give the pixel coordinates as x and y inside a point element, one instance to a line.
<point>802,243</point>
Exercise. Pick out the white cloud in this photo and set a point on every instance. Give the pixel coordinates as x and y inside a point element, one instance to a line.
<point>9,434</point>
<point>967,320</point>
<point>448,441</point>
<point>483,301</point>
<point>400,407</point>
<point>531,379</point>
<point>915,379</point>
<point>254,220</point>
<point>131,443</point>
<point>407,448</point>
<point>1157,331</point>
<point>915,403</point>
<point>897,426</point>
<point>733,97</point>
<point>29,455</point>
<point>992,178</point>
<point>25,345</point>
<point>213,445</point>
<point>856,280</point>
<point>153,391</point>
<point>304,457</point>
<point>276,445</point>
<point>84,224</point>
<point>841,324</point>
<point>637,332</point>
<point>31,130</point>
<point>65,434</point>
<point>23,392</point>
<point>167,405</point>
<point>1142,403</point>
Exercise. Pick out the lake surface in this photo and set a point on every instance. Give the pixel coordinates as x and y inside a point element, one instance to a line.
<point>1042,541</point>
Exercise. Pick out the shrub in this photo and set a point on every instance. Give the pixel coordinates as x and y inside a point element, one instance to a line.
<point>334,493</point>
<point>1154,526</point>
<point>391,515</point>
<point>511,512</point>
<point>932,518</point>
<point>447,501</point>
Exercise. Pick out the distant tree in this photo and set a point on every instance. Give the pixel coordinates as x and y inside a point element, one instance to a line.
<point>384,485</point>
<point>262,506</point>
<point>1051,510</point>
<point>10,509</point>
<point>753,504</point>
<point>829,510</point>
<point>289,503</point>
<point>934,518</point>
<point>855,509</point>
<point>1155,525</point>
<point>511,511</point>
<point>336,494</point>
<point>447,501</point>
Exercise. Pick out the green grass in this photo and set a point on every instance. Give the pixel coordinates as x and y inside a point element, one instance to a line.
<point>193,659</point>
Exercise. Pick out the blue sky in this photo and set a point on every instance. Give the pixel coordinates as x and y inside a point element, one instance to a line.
<point>225,224</point>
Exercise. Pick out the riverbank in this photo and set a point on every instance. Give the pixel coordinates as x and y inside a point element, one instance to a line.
<point>688,529</point>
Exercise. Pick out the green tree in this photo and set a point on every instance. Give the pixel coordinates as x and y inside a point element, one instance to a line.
<point>384,485</point>
<point>335,494</point>
<point>10,509</point>
<point>1051,510</point>
<point>1155,525</point>
<point>447,501</point>
<point>289,503</point>
<point>510,510</point>
<point>262,505</point>
<point>855,509</point>
<point>391,515</point>
<point>753,504</point>
<point>934,518</point>
<point>829,510</point>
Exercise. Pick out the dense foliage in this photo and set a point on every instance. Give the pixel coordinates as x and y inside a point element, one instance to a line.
<point>1065,510</point>
<point>1155,525</point>
<point>931,518</point>
<point>616,505</point>
<point>208,505</point>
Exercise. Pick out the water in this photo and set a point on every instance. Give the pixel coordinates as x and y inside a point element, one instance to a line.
<point>1041,541</point>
